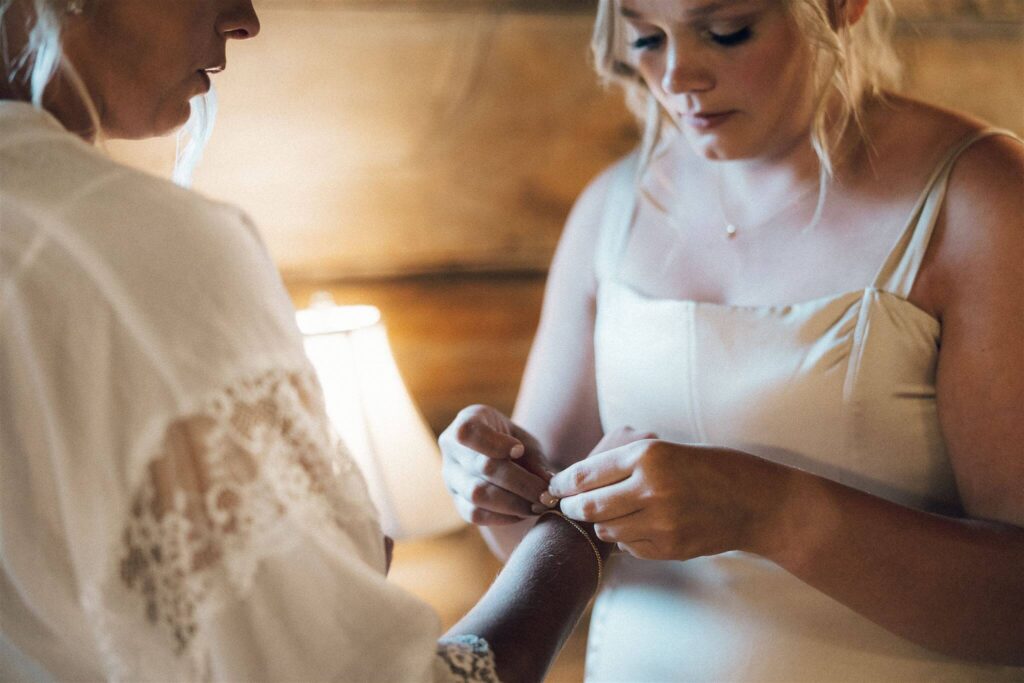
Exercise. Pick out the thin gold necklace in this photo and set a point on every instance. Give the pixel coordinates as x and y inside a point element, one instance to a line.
<point>732,229</point>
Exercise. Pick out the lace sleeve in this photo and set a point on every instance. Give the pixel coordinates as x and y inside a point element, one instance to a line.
<point>465,659</point>
<point>252,472</point>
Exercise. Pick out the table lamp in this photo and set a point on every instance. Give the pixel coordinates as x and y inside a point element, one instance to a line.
<point>370,407</point>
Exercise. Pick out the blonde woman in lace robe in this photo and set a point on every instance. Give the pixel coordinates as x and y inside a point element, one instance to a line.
<point>172,504</point>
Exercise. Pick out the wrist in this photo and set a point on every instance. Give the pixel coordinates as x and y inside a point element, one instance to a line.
<point>578,538</point>
<point>792,508</point>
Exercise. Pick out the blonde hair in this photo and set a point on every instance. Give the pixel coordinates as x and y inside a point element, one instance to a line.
<point>43,57</point>
<point>851,64</point>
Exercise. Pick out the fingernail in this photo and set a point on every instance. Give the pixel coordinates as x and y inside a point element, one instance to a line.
<point>537,508</point>
<point>517,451</point>
<point>548,500</point>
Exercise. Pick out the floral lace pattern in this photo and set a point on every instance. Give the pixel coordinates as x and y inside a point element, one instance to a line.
<point>468,658</point>
<point>216,498</point>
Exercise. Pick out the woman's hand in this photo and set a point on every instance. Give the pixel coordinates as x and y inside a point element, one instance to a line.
<point>494,469</point>
<point>661,500</point>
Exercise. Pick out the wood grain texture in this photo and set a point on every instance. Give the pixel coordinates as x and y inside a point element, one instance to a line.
<point>418,136</point>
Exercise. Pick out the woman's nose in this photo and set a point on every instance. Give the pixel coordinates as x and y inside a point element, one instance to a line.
<point>239,20</point>
<point>686,74</point>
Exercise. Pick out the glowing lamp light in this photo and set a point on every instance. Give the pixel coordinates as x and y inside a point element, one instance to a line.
<point>370,407</point>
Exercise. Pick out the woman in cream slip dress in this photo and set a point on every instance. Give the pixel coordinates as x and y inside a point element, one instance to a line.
<point>842,386</point>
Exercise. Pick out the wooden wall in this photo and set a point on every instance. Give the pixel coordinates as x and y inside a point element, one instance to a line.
<point>422,155</point>
<point>372,138</point>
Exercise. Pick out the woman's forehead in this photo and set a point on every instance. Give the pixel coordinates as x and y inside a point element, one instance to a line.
<point>685,10</point>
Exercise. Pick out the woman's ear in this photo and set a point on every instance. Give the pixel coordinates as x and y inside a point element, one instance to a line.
<point>850,11</point>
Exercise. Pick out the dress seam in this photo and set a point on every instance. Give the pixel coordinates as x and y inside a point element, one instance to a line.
<point>691,380</point>
<point>853,371</point>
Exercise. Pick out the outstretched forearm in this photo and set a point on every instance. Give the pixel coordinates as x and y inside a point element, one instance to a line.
<point>536,600</point>
<point>952,585</point>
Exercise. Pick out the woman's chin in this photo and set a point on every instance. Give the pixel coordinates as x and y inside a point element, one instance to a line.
<point>163,123</point>
<point>720,149</point>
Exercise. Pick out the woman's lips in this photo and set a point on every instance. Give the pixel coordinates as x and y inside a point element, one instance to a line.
<point>707,120</point>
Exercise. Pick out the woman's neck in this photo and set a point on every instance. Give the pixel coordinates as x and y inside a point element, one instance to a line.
<point>60,99</point>
<point>772,179</point>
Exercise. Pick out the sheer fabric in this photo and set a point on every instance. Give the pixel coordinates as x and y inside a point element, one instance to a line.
<point>173,505</point>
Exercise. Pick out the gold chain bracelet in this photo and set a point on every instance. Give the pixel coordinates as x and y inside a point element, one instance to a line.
<point>590,541</point>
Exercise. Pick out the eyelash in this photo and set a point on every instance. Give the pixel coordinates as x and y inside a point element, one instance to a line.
<point>646,42</point>
<point>733,39</point>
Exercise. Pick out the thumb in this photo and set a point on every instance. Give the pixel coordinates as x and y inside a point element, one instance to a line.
<point>533,462</point>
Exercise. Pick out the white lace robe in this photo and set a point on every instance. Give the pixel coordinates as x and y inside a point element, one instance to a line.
<point>172,503</point>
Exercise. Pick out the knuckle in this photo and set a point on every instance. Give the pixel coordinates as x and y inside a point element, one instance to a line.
<point>474,412</point>
<point>470,411</point>
<point>648,551</point>
<point>466,431</point>
<point>479,493</point>
<point>579,478</point>
<point>590,509</point>
<point>653,452</point>
<point>479,517</point>
<point>490,467</point>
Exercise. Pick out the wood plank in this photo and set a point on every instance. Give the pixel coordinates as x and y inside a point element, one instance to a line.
<point>377,143</point>
<point>475,6</point>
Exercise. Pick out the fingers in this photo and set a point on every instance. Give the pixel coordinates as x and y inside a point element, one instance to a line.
<point>509,476</point>
<point>532,459</point>
<point>601,469</point>
<point>629,534</point>
<point>621,437</point>
<point>642,549</point>
<point>495,491</point>
<point>497,475</point>
<point>479,428</point>
<point>603,504</point>
<point>626,529</point>
<point>480,517</point>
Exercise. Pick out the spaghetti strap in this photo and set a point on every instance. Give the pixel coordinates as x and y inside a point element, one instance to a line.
<point>899,271</point>
<point>617,217</point>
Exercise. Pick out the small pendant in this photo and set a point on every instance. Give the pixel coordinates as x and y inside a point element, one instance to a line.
<point>730,230</point>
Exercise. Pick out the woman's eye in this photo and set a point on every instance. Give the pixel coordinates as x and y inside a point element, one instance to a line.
<point>647,42</point>
<point>731,39</point>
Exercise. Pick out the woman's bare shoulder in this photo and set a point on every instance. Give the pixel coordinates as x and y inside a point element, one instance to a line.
<point>908,132</point>
<point>909,139</point>
<point>591,201</point>
<point>990,169</point>
<point>981,225</point>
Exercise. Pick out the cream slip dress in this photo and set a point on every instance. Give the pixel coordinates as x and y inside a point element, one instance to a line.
<point>842,386</point>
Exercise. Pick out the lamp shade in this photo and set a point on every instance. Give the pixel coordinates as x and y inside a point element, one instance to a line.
<point>370,407</point>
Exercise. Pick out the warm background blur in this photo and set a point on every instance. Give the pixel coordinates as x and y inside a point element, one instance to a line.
<point>421,156</point>
<point>426,153</point>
